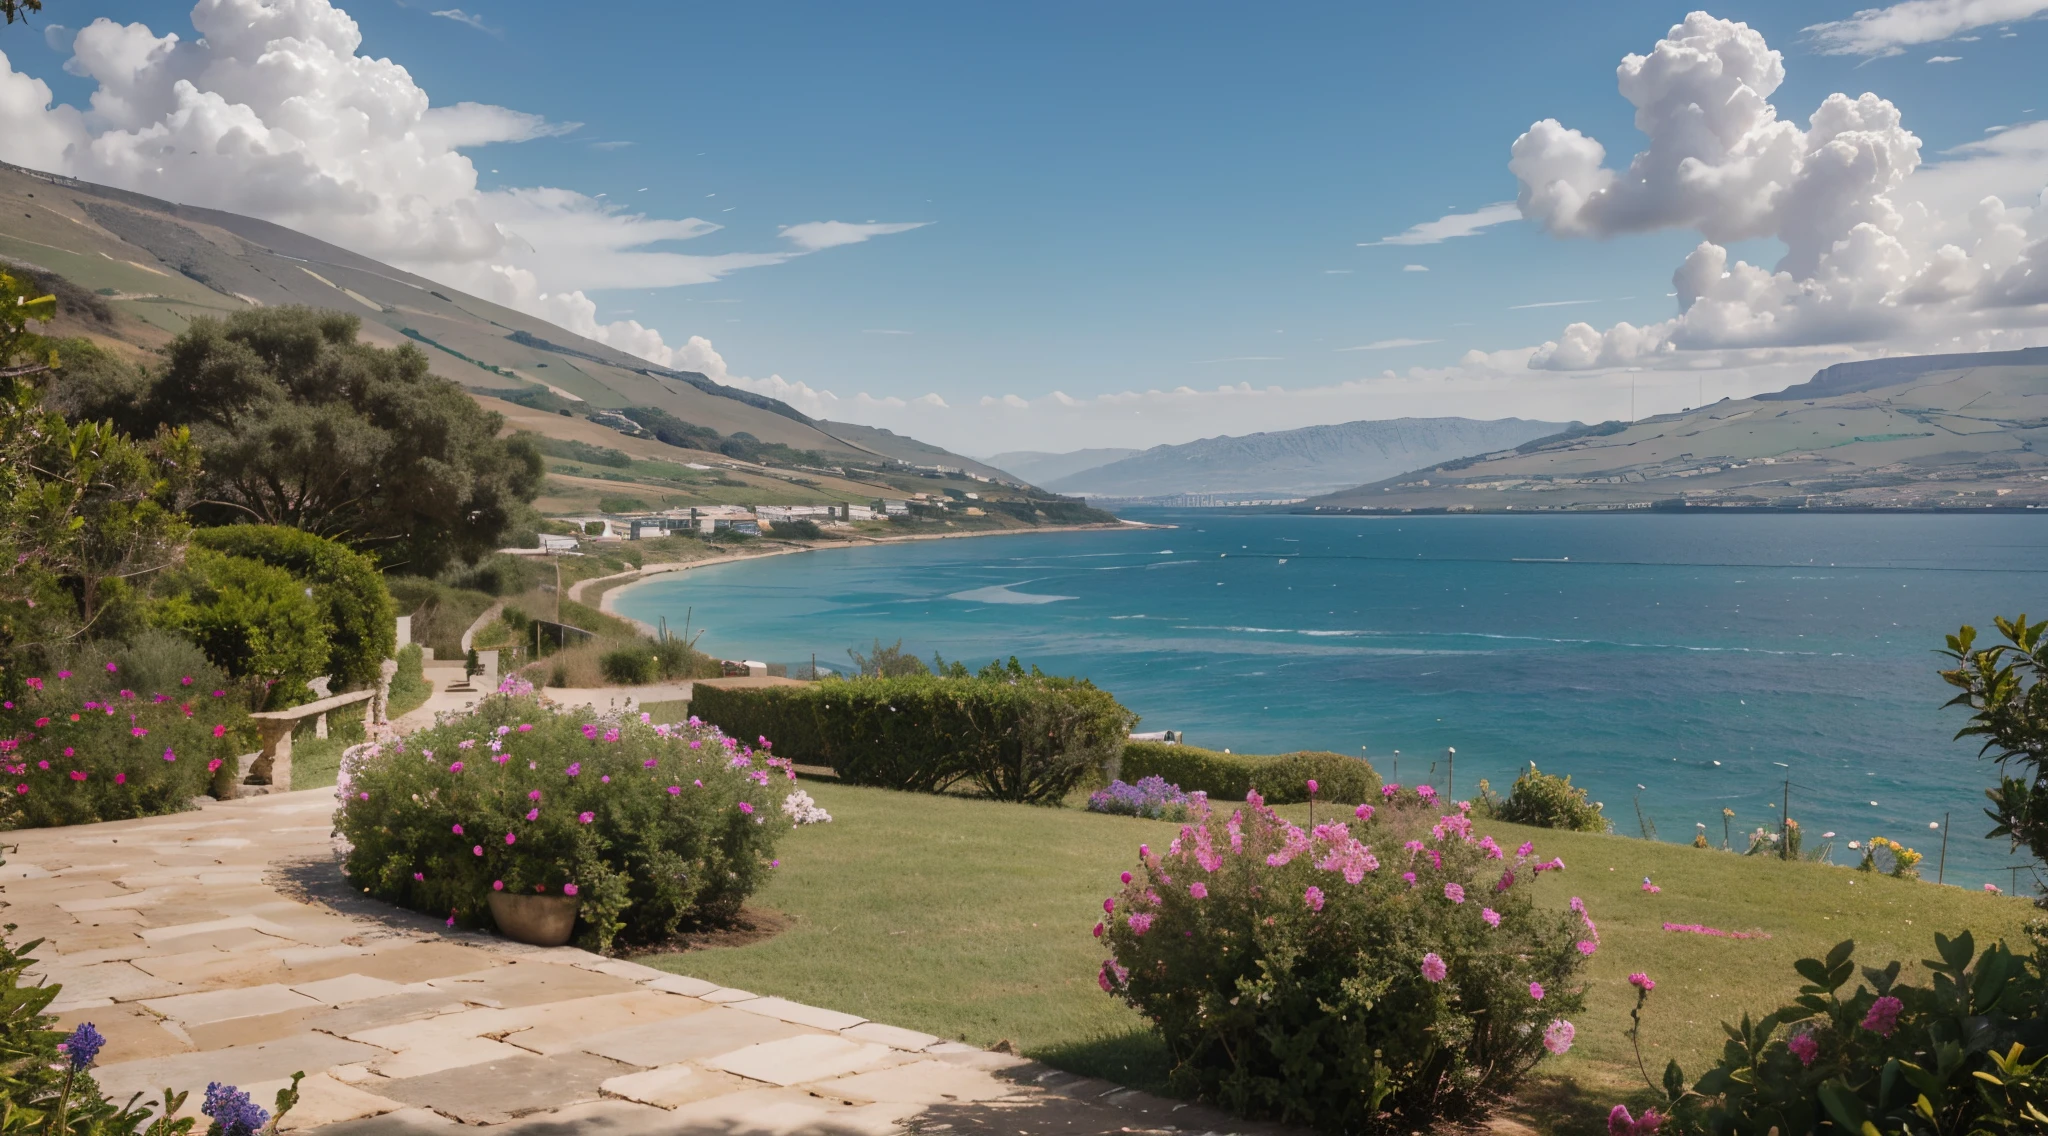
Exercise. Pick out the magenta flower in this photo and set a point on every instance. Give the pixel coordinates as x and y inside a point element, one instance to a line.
<point>746,808</point>
<point>1098,930</point>
<point>1126,877</point>
<point>168,755</point>
<point>477,851</point>
<point>457,830</point>
<point>1491,916</point>
<point>111,668</point>
<point>1426,792</point>
<point>497,885</point>
<point>1620,1123</point>
<point>534,795</point>
<point>1804,1046</point>
<point>1454,892</point>
<point>455,768</point>
<point>612,734</point>
<point>1587,947</point>
<point>675,790</point>
<point>533,814</point>
<point>1314,898</point>
<point>575,767</point>
<point>1557,1036</point>
<point>1362,812</point>
<point>1312,786</point>
<point>1410,877</point>
<point>76,775</point>
<point>139,732</point>
<point>586,818</point>
<point>1140,923</point>
<point>1642,982</point>
<point>525,726</point>
<point>511,838</point>
<point>569,889</point>
<point>1199,890</point>
<point>1883,1016</point>
<point>1536,991</point>
<point>1433,967</point>
<point>1389,792</point>
<point>419,877</point>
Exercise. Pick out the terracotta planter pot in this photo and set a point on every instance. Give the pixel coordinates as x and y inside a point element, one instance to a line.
<point>538,920</point>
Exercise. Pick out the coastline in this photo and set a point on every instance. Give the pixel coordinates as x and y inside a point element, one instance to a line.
<point>633,579</point>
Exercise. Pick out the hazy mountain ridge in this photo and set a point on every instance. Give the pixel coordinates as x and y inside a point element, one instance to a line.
<point>1041,467</point>
<point>1313,459</point>
<point>1931,431</point>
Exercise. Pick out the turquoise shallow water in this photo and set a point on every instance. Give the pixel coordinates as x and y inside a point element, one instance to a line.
<point>1688,655</point>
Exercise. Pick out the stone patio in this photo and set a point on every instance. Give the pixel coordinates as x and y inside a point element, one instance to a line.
<point>224,944</point>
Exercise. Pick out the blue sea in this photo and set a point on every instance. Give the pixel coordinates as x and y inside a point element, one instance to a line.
<point>1673,665</point>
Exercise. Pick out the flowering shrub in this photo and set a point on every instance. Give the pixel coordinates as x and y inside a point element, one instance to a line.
<point>1967,1053</point>
<point>801,809</point>
<point>79,747</point>
<point>1377,973</point>
<point>1150,797</point>
<point>653,827</point>
<point>1904,860</point>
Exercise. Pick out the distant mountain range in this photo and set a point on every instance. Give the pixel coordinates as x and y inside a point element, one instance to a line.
<point>1927,431</point>
<point>1286,463</point>
<point>1040,468</point>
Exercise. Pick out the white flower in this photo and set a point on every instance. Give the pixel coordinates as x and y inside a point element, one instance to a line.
<point>801,809</point>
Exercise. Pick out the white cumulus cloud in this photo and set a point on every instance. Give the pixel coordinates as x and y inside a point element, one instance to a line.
<point>1869,258</point>
<point>270,111</point>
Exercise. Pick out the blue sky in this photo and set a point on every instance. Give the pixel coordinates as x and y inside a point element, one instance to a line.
<point>1120,197</point>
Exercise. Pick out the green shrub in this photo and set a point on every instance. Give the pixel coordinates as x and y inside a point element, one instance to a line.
<point>657,828</point>
<point>1280,778</point>
<point>632,665</point>
<point>80,747</point>
<point>440,613</point>
<point>798,530</point>
<point>1963,1054</point>
<point>346,584</point>
<point>496,575</point>
<point>1296,977</point>
<point>1545,801</point>
<point>409,687</point>
<point>253,621</point>
<point>1016,736</point>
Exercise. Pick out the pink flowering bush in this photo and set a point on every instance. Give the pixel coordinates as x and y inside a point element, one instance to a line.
<point>78,747</point>
<point>1967,1053</point>
<point>655,828</point>
<point>1376,972</point>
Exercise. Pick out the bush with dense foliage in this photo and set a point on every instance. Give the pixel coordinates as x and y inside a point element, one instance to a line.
<point>1384,973</point>
<point>1281,778</point>
<point>346,584</point>
<point>80,746</point>
<point>2003,687</point>
<point>1965,1053</point>
<point>253,621</point>
<point>1016,735</point>
<point>656,827</point>
<point>304,425</point>
<point>1544,800</point>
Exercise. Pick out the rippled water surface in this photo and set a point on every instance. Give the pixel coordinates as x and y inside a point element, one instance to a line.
<point>1689,655</point>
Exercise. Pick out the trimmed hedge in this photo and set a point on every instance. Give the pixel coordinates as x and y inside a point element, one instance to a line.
<point>1281,778</point>
<point>1017,736</point>
<point>346,584</point>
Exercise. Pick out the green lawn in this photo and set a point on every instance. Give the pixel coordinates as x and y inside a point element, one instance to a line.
<point>970,919</point>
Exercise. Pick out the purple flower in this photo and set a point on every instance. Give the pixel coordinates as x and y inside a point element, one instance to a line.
<point>1140,923</point>
<point>1199,890</point>
<point>568,889</point>
<point>497,885</point>
<point>1312,786</point>
<point>1587,947</point>
<point>1620,1123</point>
<point>1883,1016</point>
<point>586,818</point>
<point>575,767</point>
<point>1491,916</point>
<point>533,814</point>
<point>1454,892</point>
<point>457,830</point>
<point>1557,1036</point>
<point>746,808</point>
<point>1314,898</point>
<point>675,790</point>
<point>511,839</point>
<point>455,768</point>
<point>1536,991</point>
<point>82,1047</point>
<point>1642,982</point>
<point>1433,967</point>
<point>1804,1046</point>
<point>477,851</point>
<point>231,1108</point>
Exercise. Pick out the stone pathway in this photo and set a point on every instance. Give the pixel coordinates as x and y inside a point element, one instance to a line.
<point>224,944</point>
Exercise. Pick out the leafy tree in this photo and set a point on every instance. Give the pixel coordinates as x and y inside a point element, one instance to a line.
<point>2003,685</point>
<point>254,621</point>
<point>887,662</point>
<point>19,9</point>
<point>305,426</point>
<point>346,585</point>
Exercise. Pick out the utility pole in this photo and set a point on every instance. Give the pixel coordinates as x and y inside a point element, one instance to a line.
<point>1941,869</point>
<point>1397,767</point>
<point>558,586</point>
<point>1785,823</point>
<point>1451,773</point>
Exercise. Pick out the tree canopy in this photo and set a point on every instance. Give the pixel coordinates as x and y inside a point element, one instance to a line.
<point>304,426</point>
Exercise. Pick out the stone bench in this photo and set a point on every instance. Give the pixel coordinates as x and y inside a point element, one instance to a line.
<point>271,766</point>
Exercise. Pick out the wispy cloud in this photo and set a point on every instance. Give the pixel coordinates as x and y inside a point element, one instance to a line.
<point>462,17</point>
<point>1550,304</point>
<point>814,235</point>
<point>1245,359</point>
<point>1455,225</point>
<point>1945,59</point>
<point>1891,30</point>
<point>614,145</point>
<point>1389,344</point>
<point>1338,271</point>
<point>1415,268</point>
